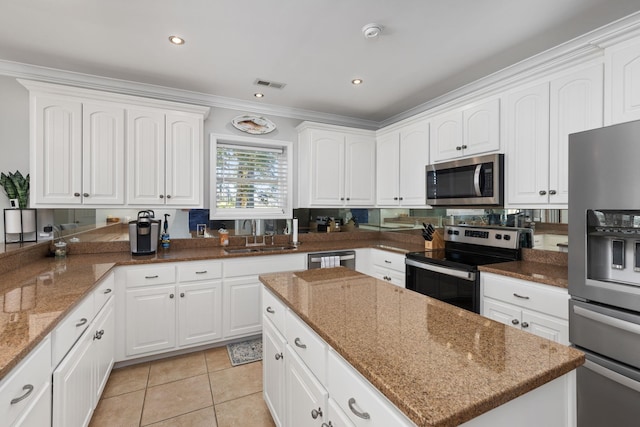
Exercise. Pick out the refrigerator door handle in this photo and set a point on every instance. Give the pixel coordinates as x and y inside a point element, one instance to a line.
<point>607,320</point>
<point>613,376</point>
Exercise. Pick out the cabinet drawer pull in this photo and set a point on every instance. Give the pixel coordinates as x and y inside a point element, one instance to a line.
<point>107,291</point>
<point>352,406</point>
<point>520,296</point>
<point>298,343</point>
<point>327,425</point>
<point>387,261</point>
<point>201,272</point>
<point>315,413</point>
<point>270,310</point>
<point>151,277</point>
<point>82,321</point>
<point>28,389</point>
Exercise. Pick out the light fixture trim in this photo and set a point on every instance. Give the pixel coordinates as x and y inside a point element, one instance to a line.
<point>357,82</point>
<point>258,95</point>
<point>371,31</point>
<point>177,40</point>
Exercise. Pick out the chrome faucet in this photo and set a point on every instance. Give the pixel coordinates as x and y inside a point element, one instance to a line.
<point>253,231</point>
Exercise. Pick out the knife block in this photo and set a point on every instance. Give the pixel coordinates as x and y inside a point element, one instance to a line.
<point>436,243</point>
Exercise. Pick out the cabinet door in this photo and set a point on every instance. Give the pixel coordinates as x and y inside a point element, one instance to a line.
<point>446,136</point>
<point>200,313</point>
<point>103,348</point>
<point>414,156</point>
<point>242,304</point>
<point>546,326</point>
<point>360,170</point>
<point>500,312</point>
<point>481,128</point>
<point>576,105</point>
<point>274,371</point>
<point>150,319</point>
<point>57,147</point>
<point>528,146</point>
<point>145,157</point>
<point>183,160</point>
<point>327,168</point>
<point>388,169</point>
<point>624,75</point>
<point>305,394</point>
<point>73,386</point>
<point>103,154</point>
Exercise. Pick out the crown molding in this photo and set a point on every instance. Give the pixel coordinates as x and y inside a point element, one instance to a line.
<point>126,87</point>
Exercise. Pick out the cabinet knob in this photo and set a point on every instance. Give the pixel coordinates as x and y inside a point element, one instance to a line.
<point>458,148</point>
<point>341,198</point>
<point>515,321</point>
<point>326,425</point>
<point>76,194</point>
<point>552,192</point>
<point>542,192</point>
<point>28,388</point>
<point>85,194</point>
<point>315,413</point>
<point>168,196</point>
<point>171,295</point>
<point>525,324</point>
<point>395,198</point>
<point>181,294</point>
<point>401,198</point>
<point>279,356</point>
<point>348,198</point>
<point>298,343</point>
<point>98,335</point>
<point>162,196</point>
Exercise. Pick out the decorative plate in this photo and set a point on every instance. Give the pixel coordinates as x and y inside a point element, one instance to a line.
<point>254,125</point>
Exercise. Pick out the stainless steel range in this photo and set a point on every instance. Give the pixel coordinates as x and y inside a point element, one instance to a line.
<point>451,274</point>
<point>604,272</point>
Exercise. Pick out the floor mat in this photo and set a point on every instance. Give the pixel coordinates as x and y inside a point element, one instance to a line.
<point>245,351</point>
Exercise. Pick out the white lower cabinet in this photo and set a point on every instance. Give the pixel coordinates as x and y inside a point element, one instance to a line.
<point>150,319</point>
<point>80,378</point>
<point>25,393</point>
<point>273,350</point>
<point>200,313</point>
<point>242,300</point>
<point>306,396</point>
<point>388,266</point>
<point>540,309</point>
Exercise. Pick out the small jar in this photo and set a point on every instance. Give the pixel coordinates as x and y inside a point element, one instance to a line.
<point>61,249</point>
<point>224,237</point>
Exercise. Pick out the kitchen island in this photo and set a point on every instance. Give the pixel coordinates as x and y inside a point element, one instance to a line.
<point>438,364</point>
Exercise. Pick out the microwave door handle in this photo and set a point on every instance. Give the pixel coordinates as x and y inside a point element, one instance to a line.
<point>476,180</point>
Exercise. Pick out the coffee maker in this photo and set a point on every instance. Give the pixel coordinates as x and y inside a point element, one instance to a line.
<point>144,233</point>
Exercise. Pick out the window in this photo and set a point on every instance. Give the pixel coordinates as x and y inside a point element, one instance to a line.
<point>250,178</point>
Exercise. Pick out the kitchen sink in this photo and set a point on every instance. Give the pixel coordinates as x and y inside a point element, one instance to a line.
<point>259,249</point>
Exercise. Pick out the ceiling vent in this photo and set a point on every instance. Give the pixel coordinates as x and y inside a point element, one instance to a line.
<point>266,83</point>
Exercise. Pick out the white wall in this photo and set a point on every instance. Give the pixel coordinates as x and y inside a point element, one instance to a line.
<point>14,147</point>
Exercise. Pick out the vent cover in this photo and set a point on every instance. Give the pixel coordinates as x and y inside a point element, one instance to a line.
<point>275,85</point>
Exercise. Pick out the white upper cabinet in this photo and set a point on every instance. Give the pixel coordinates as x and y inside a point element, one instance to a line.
<point>623,70</point>
<point>336,166</point>
<point>539,121</point>
<point>77,147</point>
<point>402,156</point>
<point>466,132</point>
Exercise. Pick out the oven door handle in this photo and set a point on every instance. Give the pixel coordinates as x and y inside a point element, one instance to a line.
<point>465,275</point>
<point>612,375</point>
<point>476,180</point>
<point>607,320</point>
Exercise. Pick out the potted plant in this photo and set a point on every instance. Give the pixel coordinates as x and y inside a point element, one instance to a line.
<point>17,187</point>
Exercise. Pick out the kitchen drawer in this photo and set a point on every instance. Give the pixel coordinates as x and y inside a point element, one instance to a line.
<point>264,264</point>
<point>104,291</point>
<point>387,259</point>
<point>307,344</point>
<point>196,271</point>
<point>34,371</point>
<point>69,330</point>
<point>145,276</point>
<point>356,396</point>
<point>273,309</point>
<point>392,276</point>
<point>550,300</point>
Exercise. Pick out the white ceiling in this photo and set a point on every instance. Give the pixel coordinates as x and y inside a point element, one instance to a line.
<point>427,48</point>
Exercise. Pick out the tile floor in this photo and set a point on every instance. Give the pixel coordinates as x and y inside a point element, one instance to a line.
<point>197,389</point>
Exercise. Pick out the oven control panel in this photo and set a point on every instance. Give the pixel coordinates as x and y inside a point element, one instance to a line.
<point>499,237</point>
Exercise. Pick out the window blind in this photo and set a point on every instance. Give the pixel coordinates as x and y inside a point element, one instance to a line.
<point>251,178</point>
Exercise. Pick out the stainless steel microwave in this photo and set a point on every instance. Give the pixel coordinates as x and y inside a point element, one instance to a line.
<point>474,181</point>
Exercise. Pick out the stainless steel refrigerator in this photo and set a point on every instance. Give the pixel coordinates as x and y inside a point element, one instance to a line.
<point>604,272</point>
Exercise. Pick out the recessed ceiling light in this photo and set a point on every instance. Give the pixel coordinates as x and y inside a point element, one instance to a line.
<point>258,95</point>
<point>356,82</point>
<point>371,31</point>
<point>176,40</point>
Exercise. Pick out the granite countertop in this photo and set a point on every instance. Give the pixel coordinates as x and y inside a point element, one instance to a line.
<point>439,364</point>
<point>540,272</point>
<point>41,291</point>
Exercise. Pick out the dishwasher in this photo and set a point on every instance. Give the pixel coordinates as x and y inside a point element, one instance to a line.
<point>346,259</point>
